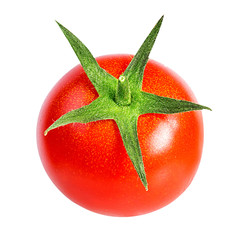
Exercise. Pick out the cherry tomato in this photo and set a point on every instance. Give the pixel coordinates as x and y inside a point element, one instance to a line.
<point>88,162</point>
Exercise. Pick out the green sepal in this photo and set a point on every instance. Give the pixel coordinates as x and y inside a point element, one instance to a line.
<point>135,70</point>
<point>128,130</point>
<point>104,83</point>
<point>151,103</point>
<point>100,109</point>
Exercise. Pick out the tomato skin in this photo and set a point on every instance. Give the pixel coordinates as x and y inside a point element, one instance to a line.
<point>88,162</point>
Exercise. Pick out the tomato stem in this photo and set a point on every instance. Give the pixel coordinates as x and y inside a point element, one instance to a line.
<point>123,93</point>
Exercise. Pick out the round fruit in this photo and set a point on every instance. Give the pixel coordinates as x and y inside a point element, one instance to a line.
<point>88,161</point>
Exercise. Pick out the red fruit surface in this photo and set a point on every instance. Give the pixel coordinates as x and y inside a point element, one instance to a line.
<point>88,162</point>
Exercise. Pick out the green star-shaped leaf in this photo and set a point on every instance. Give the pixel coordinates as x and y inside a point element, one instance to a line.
<point>122,99</point>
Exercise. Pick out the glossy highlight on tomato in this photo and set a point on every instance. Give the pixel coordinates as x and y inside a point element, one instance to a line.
<point>88,161</point>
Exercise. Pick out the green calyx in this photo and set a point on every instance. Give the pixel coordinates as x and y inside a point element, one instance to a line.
<point>122,99</point>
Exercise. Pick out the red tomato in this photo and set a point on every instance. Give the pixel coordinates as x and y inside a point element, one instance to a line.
<point>88,162</point>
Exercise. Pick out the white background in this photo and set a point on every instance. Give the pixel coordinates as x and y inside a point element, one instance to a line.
<point>198,40</point>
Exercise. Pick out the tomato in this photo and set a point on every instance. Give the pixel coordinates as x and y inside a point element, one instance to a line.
<point>88,161</point>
